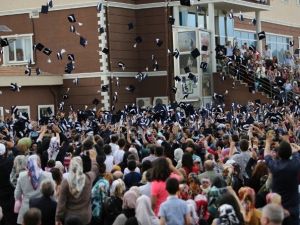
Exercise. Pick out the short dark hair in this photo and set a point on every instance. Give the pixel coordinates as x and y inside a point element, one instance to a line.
<point>107,149</point>
<point>121,142</point>
<point>56,175</point>
<point>152,148</point>
<point>160,169</point>
<point>73,220</point>
<point>32,217</point>
<point>159,151</point>
<point>51,163</point>
<point>114,138</point>
<point>47,188</point>
<point>87,144</point>
<point>172,186</point>
<point>244,145</point>
<point>284,150</point>
<point>131,164</point>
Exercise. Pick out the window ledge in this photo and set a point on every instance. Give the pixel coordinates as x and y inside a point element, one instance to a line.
<point>16,63</point>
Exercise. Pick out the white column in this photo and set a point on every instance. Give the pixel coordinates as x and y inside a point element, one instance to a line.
<point>258,29</point>
<point>176,15</point>
<point>211,28</point>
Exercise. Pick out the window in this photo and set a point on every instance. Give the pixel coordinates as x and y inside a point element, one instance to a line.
<point>19,50</point>
<point>192,18</point>
<point>245,37</point>
<point>224,29</point>
<point>45,111</point>
<point>24,109</point>
<point>1,113</point>
<point>278,45</point>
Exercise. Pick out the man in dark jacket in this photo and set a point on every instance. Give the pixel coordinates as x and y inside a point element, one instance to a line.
<point>45,203</point>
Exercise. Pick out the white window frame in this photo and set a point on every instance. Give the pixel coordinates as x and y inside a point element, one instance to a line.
<point>6,51</point>
<point>1,113</point>
<point>44,107</point>
<point>26,107</point>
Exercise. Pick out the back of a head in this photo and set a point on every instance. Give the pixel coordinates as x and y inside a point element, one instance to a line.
<point>121,143</point>
<point>32,217</point>
<point>273,213</point>
<point>284,150</point>
<point>114,138</point>
<point>244,145</point>
<point>47,188</point>
<point>172,186</point>
<point>107,149</point>
<point>159,151</point>
<point>87,144</point>
<point>131,164</point>
<point>73,220</point>
<point>209,165</point>
<point>152,148</point>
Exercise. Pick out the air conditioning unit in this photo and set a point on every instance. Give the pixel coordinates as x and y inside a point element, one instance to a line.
<point>161,100</point>
<point>143,102</point>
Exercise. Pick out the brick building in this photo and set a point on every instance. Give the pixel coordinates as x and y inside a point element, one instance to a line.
<point>205,23</point>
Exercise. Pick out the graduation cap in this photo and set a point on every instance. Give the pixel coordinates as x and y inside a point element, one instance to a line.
<point>185,96</point>
<point>230,15</point>
<point>71,57</point>
<point>176,53</point>
<point>49,111</point>
<point>261,35</point>
<point>15,87</point>
<point>39,46</point>
<point>47,51</point>
<point>83,42</point>
<point>50,3</point>
<point>292,43</point>
<point>104,88</point>
<point>203,66</point>
<point>204,48</point>
<point>130,88</point>
<point>171,20</point>
<point>66,95</point>
<point>192,77</point>
<point>257,102</point>
<point>177,78</point>
<point>155,66</point>
<point>195,53</point>
<point>101,30</point>
<point>72,18</point>
<point>252,48</point>
<point>130,26</point>
<point>60,54</point>
<point>38,71</point>
<point>76,81</point>
<point>241,17</point>
<point>121,65</point>
<point>99,6</point>
<point>96,101</point>
<point>105,50</point>
<point>45,9</point>
<point>158,42</point>
<point>138,40</point>
<point>28,71</point>
<point>4,42</point>
<point>72,29</point>
<point>253,21</point>
<point>185,2</point>
<point>187,69</point>
<point>141,76</point>
<point>174,90</point>
<point>69,67</point>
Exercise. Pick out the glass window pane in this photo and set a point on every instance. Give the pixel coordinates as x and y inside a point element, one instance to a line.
<point>11,51</point>
<point>273,38</point>
<point>279,39</point>
<point>28,49</point>
<point>191,20</point>
<point>187,61</point>
<point>19,50</point>
<point>187,41</point>
<point>237,34</point>
<point>244,35</point>
<point>201,21</point>
<point>230,26</point>
<point>221,26</point>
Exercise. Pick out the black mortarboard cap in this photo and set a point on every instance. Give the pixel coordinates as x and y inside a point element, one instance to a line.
<point>292,43</point>
<point>185,2</point>
<point>72,18</point>
<point>138,39</point>
<point>69,67</point>
<point>104,88</point>
<point>177,78</point>
<point>50,3</point>
<point>96,101</point>
<point>203,66</point>
<point>71,57</point>
<point>130,26</point>
<point>176,53</point>
<point>159,42</point>
<point>252,48</point>
<point>174,90</point>
<point>28,71</point>
<point>257,101</point>
<point>4,42</point>
<point>14,87</point>
<point>83,42</point>
<point>99,6</point>
<point>187,69</point>
<point>130,88</point>
<point>72,29</point>
<point>47,51</point>
<point>185,96</point>
<point>253,21</point>
<point>121,65</point>
<point>204,48</point>
<point>171,20</point>
<point>105,50</point>
<point>38,71</point>
<point>49,110</point>
<point>44,9</point>
<point>39,46</point>
<point>261,35</point>
<point>101,30</point>
<point>195,53</point>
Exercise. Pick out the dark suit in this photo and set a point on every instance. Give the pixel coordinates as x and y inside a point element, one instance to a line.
<point>47,207</point>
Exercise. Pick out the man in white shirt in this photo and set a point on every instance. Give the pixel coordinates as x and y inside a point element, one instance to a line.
<point>267,53</point>
<point>113,143</point>
<point>119,153</point>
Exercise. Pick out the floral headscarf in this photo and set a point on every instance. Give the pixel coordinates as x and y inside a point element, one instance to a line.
<point>76,178</point>
<point>227,215</point>
<point>53,148</point>
<point>34,171</point>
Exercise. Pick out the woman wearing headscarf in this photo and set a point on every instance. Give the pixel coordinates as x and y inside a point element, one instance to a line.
<point>54,147</point>
<point>28,184</point>
<point>129,203</point>
<point>227,216</point>
<point>144,213</point>
<point>75,192</point>
<point>178,153</point>
<point>19,165</point>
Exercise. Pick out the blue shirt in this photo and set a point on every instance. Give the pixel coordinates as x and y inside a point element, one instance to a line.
<point>173,210</point>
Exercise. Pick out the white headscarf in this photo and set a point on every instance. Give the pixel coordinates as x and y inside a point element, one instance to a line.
<point>144,213</point>
<point>178,153</point>
<point>119,183</point>
<point>76,178</point>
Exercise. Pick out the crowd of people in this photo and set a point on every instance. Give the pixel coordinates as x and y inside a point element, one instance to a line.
<point>170,164</point>
<point>262,71</point>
